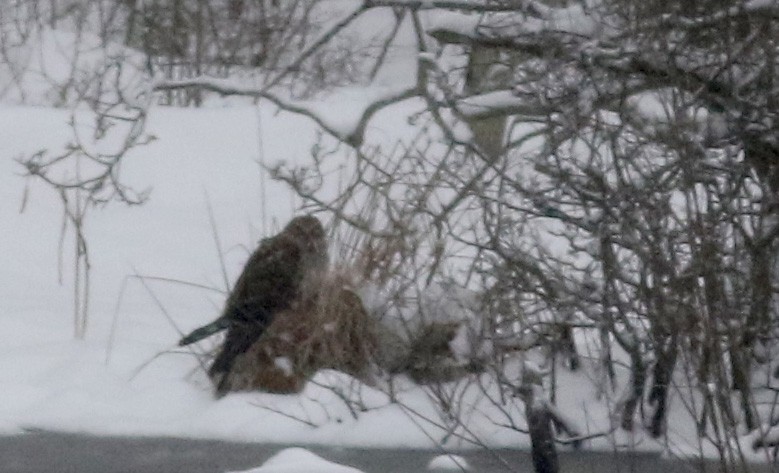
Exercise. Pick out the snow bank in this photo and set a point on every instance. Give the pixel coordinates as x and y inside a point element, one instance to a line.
<point>300,460</point>
<point>449,463</point>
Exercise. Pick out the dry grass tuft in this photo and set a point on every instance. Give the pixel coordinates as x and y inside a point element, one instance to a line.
<point>328,329</point>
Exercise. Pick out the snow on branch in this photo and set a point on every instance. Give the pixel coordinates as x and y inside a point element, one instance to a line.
<point>580,37</point>
<point>527,6</point>
<point>502,27</point>
<point>458,27</point>
<point>344,115</point>
<point>752,7</point>
<point>497,103</point>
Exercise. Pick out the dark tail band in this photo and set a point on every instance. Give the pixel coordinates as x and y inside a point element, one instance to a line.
<point>204,331</point>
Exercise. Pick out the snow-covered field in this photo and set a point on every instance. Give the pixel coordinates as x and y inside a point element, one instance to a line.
<point>127,377</point>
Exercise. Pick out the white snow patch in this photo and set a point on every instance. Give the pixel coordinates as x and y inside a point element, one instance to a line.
<point>300,460</point>
<point>284,364</point>
<point>509,25</point>
<point>498,102</point>
<point>449,462</point>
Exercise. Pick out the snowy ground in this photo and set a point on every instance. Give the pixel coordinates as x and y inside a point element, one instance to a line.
<point>127,377</point>
<point>113,384</point>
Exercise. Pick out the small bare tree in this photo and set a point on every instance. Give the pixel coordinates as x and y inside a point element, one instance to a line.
<point>113,49</point>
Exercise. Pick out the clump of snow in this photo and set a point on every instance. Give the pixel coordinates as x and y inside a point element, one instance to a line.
<point>300,460</point>
<point>449,462</point>
<point>284,364</point>
<point>440,309</point>
<point>494,103</point>
<point>452,25</point>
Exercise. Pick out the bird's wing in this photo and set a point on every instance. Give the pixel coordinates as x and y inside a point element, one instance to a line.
<point>268,278</point>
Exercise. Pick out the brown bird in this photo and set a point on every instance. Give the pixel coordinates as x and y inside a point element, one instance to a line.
<point>270,282</point>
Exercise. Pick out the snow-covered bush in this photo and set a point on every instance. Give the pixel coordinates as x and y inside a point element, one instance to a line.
<point>603,175</point>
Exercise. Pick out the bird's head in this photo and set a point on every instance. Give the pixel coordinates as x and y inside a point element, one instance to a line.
<point>306,227</point>
<point>309,233</point>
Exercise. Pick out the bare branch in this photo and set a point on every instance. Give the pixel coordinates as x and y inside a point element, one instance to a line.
<point>351,132</point>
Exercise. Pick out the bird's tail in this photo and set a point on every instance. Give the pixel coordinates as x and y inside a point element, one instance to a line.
<point>204,331</point>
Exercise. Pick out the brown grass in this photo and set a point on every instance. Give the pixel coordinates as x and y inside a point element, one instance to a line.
<point>329,329</point>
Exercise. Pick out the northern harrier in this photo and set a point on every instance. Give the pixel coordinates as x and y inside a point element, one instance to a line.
<point>271,280</point>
